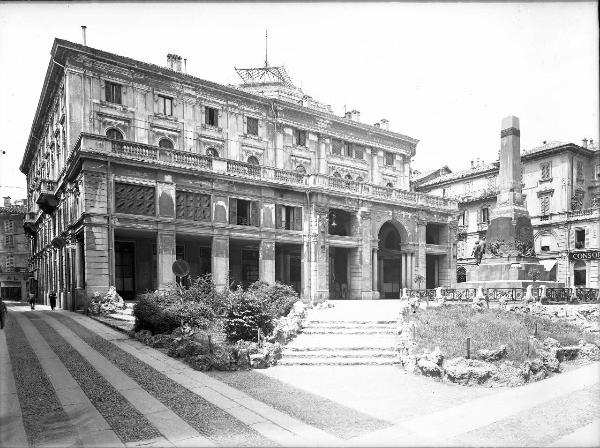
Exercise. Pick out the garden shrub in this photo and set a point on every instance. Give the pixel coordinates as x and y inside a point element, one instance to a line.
<point>257,307</point>
<point>163,311</point>
<point>109,303</point>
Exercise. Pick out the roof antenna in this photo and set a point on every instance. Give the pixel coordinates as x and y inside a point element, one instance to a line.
<point>83,27</point>
<point>266,48</point>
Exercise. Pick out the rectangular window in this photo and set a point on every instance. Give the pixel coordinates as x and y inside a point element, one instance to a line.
<point>336,147</point>
<point>579,170</point>
<point>544,204</point>
<point>252,126</point>
<point>468,186</point>
<point>179,252</point>
<point>347,149</point>
<point>192,206</point>
<point>244,213</point>
<point>8,240</point>
<point>597,176</point>
<point>546,170</point>
<point>299,137</point>
<point>579,238</point>
<point>10,263</point>
<point>211,116</point>
<point>359,152</point>
<point>485,215</point>
<point>9,226</point>
<point>165,105</point>
<point>113,92</point>
<point>389,158</point>
<point>288,217</point>
<point>135,199</point>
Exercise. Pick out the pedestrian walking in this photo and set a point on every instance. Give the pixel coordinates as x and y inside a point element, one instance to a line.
<point>32,300</point>
<point>52,297</point>
<point>3,314</point>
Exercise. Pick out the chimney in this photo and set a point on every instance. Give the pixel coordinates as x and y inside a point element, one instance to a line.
<point>185,65</point>
<point>178,63</point>
<point>355,115</point>
<point>385,124</point>
<point>376,125</point>
<point>591,143</point>
<point>584,143</point>
<point>6,201</point>
<point>348,115</point>
<point>174,62</point>
<point>472,164</point>
<point>83,28</point>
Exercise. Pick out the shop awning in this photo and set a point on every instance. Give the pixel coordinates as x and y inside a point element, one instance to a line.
<point>9,284</point>
<point>548,264</point>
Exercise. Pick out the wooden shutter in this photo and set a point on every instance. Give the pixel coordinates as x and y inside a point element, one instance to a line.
<point>298,218</point>
<point>254,214</point>
<point>278,216</point>
<point>232,211</point>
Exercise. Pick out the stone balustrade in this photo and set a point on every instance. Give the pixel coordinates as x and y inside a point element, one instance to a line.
<point>143,152</point>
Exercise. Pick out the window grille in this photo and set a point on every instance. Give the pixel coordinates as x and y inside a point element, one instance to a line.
<point>546,170</point>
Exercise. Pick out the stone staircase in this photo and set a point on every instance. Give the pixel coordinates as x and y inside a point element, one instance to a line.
<point>347,334</point>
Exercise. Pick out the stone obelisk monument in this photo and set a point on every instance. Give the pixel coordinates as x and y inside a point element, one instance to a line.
<point>509,255</point>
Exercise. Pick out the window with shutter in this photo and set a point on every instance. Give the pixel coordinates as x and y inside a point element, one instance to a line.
<point>254,214</point>
<point>298,218</point>
<point>389,158</point>
<point>211,116</point>
<point>232,211</point>
<point>165,105</point>
<point>278,216</point>
<point>336,147</point>
<point>113,92</point>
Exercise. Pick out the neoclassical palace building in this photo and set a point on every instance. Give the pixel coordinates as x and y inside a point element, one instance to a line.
<point>131,166</point>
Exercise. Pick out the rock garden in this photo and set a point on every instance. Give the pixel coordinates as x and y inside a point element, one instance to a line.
<point>506,346</point>
<point>207,329</point>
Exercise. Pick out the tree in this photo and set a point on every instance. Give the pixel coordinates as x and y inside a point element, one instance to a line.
<point>419,279</point>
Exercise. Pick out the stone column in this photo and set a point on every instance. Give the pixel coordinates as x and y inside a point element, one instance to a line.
<point>266,261</point>
<point>322,155</point>
<point>375,177</point>
<point>364,257</point>
<point>322,257</point>
<point>404,269</point>
<point>421,263</point>
<point>165,257</point>
<point>374,273</point>
<point>306,266</point>
<point>97,260</point>
<point>220,261</point>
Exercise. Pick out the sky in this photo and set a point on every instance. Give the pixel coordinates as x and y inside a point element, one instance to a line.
<point>443,73</point>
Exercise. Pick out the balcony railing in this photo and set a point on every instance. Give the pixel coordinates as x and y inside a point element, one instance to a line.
<point>141,151</point>
<point>570,215</point>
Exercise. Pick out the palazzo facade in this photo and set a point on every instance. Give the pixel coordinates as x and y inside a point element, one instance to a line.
<point>131,166</point>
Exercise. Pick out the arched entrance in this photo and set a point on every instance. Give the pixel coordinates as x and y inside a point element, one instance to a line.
<point>392,273</point>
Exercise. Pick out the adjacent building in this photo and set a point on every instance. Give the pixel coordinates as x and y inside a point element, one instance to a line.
<point>131,166</point>
<point>14,250</point>
<point>561,182</point>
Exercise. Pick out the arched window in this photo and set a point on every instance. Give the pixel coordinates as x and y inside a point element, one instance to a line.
<point>114,134</point>
<point>389,185</point>
<point>336,174</point>
<point>579,274</point>
<point>165,143</point>
<point>348,176</point>
<point>300,169</point>
<point>461,274</point>
<point>253,160</point>
<point>212,152</point>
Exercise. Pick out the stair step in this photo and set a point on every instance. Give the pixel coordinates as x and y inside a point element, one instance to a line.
<point>314,348</point>
<point>339,354</point>
<point>342,331</point>
<point>336,361</point>
<point>351,322</point>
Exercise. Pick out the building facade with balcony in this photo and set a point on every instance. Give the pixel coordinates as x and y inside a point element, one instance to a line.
<point>131,166</point>
<point>561,182</point>
<point>14,251</point>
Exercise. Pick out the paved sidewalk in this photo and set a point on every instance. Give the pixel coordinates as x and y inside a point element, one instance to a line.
<point>416,411</point>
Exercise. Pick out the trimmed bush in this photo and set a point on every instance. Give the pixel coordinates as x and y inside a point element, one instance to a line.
<point>257,308</point>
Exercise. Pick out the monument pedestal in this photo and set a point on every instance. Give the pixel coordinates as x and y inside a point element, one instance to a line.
<point>508,272</point>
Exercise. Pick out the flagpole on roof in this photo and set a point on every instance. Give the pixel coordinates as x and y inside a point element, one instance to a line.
<point>266,49</point>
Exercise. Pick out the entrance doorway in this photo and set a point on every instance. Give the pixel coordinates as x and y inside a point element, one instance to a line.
<point>389,254</point>
<point>579,274</point>
<point>339,278</point>
<point>288,265</point>
<point>125,269</point>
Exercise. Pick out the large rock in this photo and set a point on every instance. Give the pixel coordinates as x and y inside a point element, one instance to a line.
<point>551,364</point>
<point>551,342</point>
<point>468,371</point>
<point>429,368</point>
<point>509,375</point>
<point>589,351</point>
<point>492,355</point>
<point>566,353</point>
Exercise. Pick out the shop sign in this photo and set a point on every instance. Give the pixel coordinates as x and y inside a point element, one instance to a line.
<point>586,255</point>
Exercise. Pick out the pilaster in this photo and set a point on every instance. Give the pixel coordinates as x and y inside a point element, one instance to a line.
<point>220,261</point>
<point>165,254</point>
<point>266,261</point>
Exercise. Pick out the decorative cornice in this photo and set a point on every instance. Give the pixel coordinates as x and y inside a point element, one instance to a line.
<point>510,131</point>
